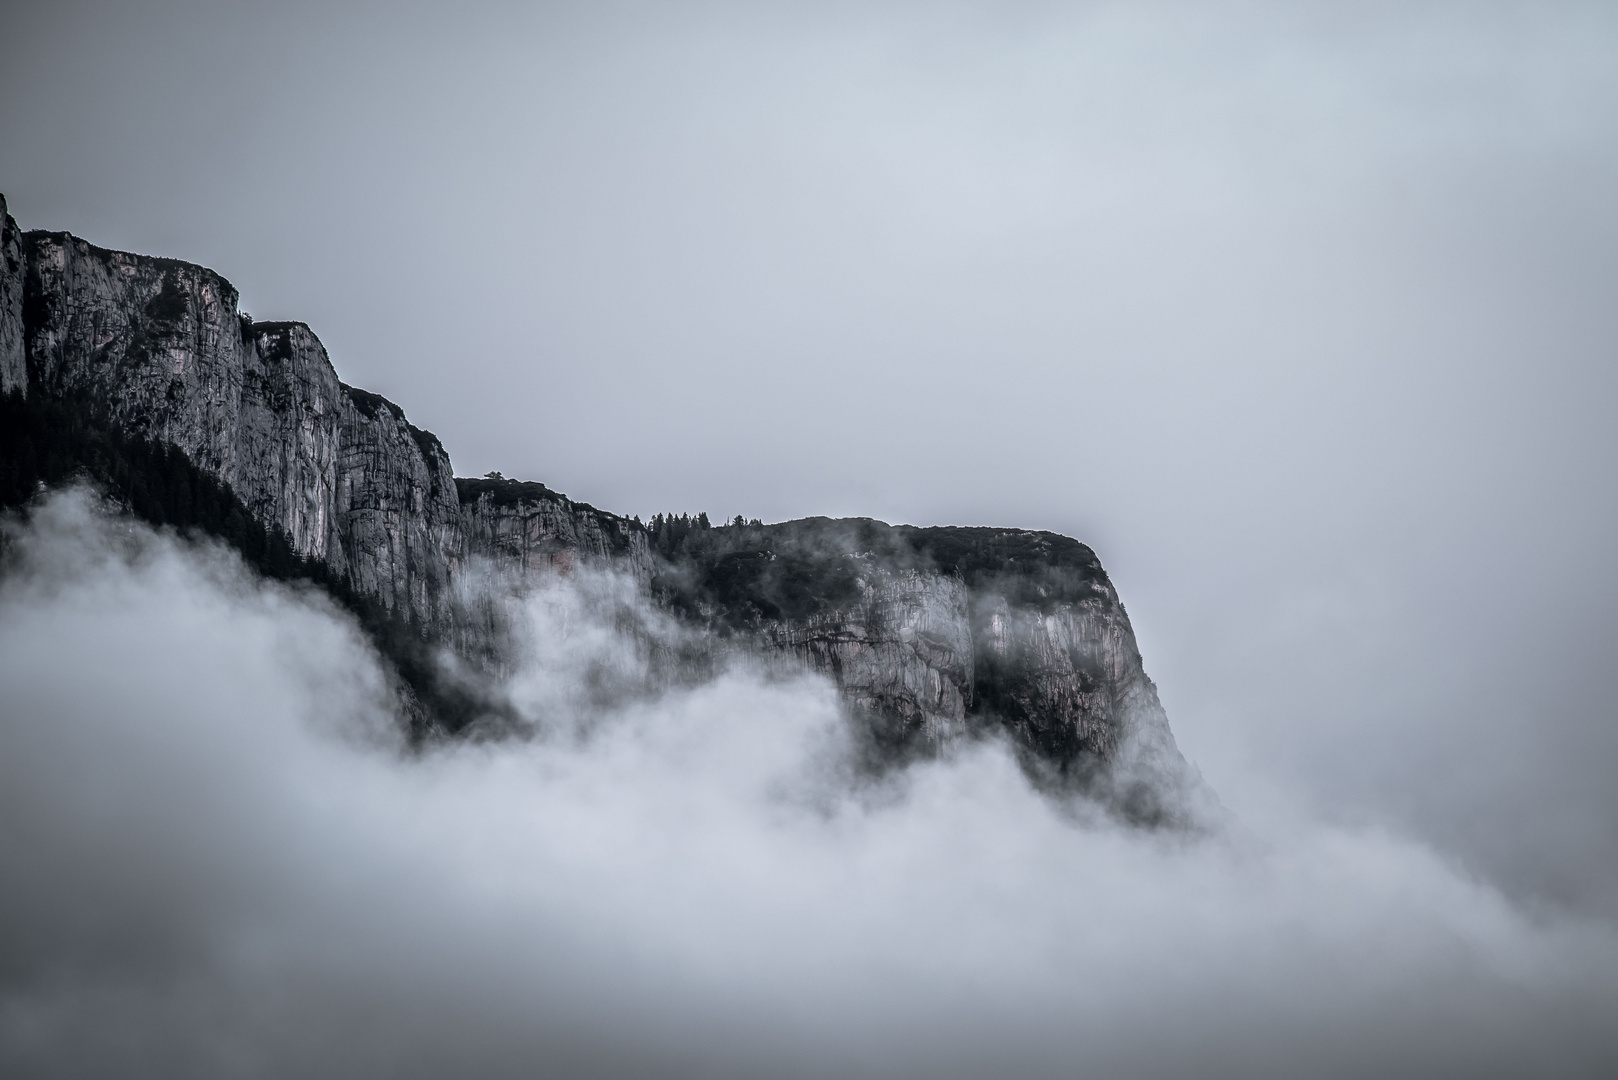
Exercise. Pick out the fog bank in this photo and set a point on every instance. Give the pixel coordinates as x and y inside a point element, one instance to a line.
<point>1300,314</point>
<point>220,860</point>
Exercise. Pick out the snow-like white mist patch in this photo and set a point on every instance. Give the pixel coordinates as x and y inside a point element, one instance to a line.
<point>219,859</point>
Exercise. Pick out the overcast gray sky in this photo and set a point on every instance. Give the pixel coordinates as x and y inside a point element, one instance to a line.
<point>1301,314</point>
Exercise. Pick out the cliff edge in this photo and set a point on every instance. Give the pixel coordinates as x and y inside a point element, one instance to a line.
<point>144,374</point>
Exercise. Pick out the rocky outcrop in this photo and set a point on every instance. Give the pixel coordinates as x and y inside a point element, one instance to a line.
<point>158,348</point>
<point>521,535</point>
<point>1057,663</point>
<point>399,517</point>
<point>528,531</point>
<point>928,632</point>
<point>13,365</point>
<point>901,652</point>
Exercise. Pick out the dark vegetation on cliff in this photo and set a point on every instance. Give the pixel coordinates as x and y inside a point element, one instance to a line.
<point>727,580</point>
<point>168,305</point>
<point>739,578</point>
<point>51,442</point>
<point>747,571</point>
<point>370,404</point>
<point>922,629</point>
<point>736,578</point>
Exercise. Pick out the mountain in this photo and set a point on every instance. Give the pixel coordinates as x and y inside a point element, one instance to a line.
<point>143,374</point>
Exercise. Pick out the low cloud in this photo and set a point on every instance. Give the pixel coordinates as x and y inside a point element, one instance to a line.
<point>220,859</point>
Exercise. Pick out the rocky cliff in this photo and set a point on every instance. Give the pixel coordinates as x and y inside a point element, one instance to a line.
<point>158,349</point>
<point>13,370</point>
<point>931,631</point>
<point>529,531</point>
<point>928,632</point>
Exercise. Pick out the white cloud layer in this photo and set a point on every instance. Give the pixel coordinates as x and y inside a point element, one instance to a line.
<point>220,860</point>
<point>1299,313</point>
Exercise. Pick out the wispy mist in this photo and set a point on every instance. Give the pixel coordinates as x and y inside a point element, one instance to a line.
<point>221,859</point>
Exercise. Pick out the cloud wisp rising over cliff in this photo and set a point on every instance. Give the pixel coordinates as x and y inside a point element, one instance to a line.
<point>222,861</point>
<point>1300,314</point>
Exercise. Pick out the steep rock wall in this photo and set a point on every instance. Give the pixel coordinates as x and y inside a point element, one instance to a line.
<point>930,630</point>
<point>925,631</point>
<point>900,652</point>
<point>13,362</point>
<point>158,348</point>
<point>399,516</point>
<point>528,531</point>
<point>1069,681</point>
<point>521,535</point>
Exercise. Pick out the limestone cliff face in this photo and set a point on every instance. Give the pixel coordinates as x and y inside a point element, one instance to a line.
<point>158,348</point>
<point>1069,680</point>
<point>521,536</point>
<point>400,517</point>
<point>13,365</point>
<point>528,531</point>
<point>901,651</point>
<point>933,630</point>
<point>927,632</point>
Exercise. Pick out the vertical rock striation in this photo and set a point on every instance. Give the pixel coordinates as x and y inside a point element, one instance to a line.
<point>399,517</point>
<point>930,631</point>
<point>901,652</point>
<point>927,632</point>
<point>13,363</point>
<point>527,531</point>
<point>158,349</point>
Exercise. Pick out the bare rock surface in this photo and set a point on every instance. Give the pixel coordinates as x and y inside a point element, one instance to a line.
<point>928,632</point>
<point>935,631</point>
<point>901,651</point>
<point>13,365</point>
<point>530,531</point>
<point>158,348</point>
